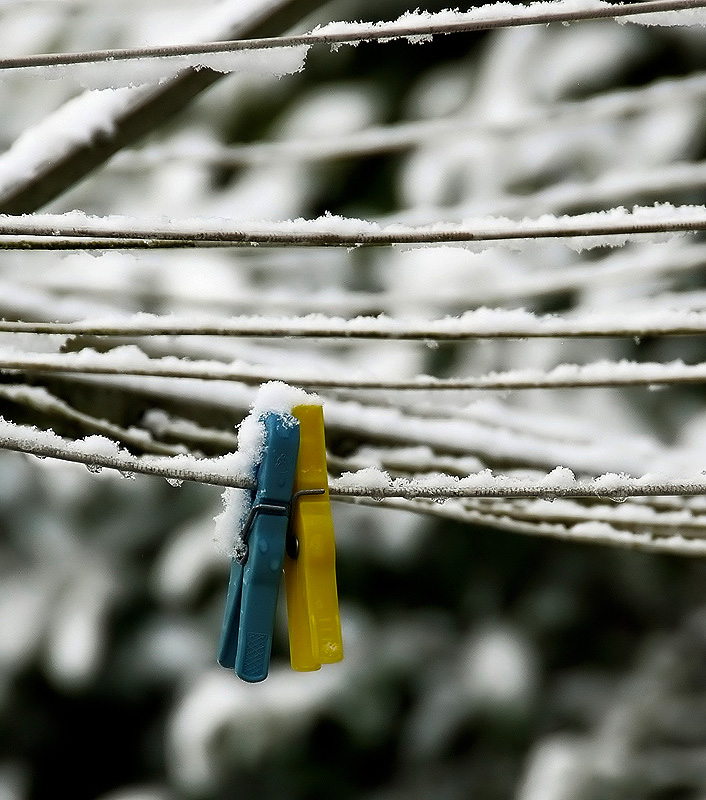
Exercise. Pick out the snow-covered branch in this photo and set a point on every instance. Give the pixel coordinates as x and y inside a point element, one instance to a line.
<point>52,156</point>
<point>406,135</point>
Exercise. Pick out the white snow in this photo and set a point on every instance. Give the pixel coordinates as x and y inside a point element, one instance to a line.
<point>480,322</point>
<point>378,484</point>
<point>98,452</point>
<point>152,71</point>
<point>418,25</point>
<point>685,17</point>
<point>610,228</point>
<point>583,532</point>
<point>514,127</point>
<point>131,360</point>
<point>462,436</point>
<point>275,397</point>
<point>81,121</point>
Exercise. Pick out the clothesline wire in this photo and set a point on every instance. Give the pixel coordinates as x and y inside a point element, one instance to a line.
<point>471,325</point>
<point>616,487</point>
<point>607,188</point>
<point>41,400</point>
<point>572,512</point>
<point>616,267</point>
<point>50,242</point>
<point>401,135</point>
<point>564,376</point>
<point>603,533</point>
<point>349,35</point>
<point>26,235</point>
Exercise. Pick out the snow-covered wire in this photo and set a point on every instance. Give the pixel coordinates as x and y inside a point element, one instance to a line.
<point>558,484</point>
<point>415,26</point>
<point>483,323</point>
<point>650,512</point>
<point>99,452</point>
<point>411,495</point>
<point>128,361</point>
<point>40,399</point>
<point>370,483</point>
<point>619,515</point>
<point>591,532</point>
<point>620,268</point>
<point>601,192</point>
<point>333,231</point>
<point>405,135</point>
<point>50,243</point>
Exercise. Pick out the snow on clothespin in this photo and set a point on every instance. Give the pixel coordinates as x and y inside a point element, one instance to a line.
<point>310,568</point>
<point>251,602</point>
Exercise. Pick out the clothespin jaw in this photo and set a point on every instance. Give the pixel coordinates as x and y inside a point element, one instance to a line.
<point>251,603</point>
<point>310,565</point>
<point>228,645</point>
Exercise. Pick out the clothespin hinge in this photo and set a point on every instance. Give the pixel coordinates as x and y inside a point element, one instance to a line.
<point>292,544</point>
<point>278,509</point>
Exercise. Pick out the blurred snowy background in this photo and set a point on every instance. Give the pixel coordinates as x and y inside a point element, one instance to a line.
<point>479,662</point>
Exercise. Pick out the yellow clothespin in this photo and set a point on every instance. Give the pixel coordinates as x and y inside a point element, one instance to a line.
<point>310,564</point>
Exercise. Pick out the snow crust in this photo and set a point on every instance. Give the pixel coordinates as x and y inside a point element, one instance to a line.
<point>669,19</point>
<point>130,359</point>
<point>609,228</point>
<point>98,451</point>
<point>477,322</point>
<point>647,135</point>
<point>276,397</point>
<point>80,121</point>
<point>114,74</point>
<point>378,483</point>
<point>418,26</point>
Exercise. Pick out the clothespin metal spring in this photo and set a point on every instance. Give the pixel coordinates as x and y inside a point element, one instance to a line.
<point>275,509</point>
<point>278,509</point>
<point>292,540</point>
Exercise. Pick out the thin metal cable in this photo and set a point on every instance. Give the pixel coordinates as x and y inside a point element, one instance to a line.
<point>603,534</point>
<point>40,399</point>
<point>617,487</point>
<point>26,232</point>
<point>406,135</point>
<point>564,376</point>
<point>617,268</point>
<point>50,242</point>
<point>482,324</point>
<point>380,32</point>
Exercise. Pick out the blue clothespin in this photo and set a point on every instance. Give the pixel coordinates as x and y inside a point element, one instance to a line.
<point>253,588</point>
